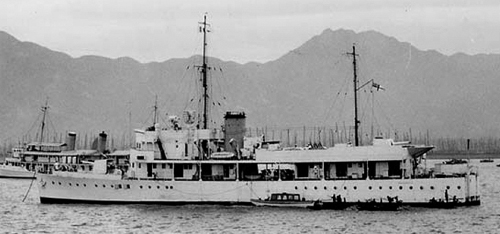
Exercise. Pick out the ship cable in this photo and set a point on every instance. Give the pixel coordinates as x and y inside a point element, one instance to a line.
<point>31,184</point>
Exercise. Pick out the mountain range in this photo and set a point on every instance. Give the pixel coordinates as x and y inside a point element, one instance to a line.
<point>426,91</point>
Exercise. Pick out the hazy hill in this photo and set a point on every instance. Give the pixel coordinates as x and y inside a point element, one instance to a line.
<point>311,85</point>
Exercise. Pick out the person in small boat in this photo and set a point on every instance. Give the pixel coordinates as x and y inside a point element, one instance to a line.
<point>446,195</point>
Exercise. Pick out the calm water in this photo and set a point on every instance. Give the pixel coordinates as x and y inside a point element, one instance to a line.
<point>31,216</point>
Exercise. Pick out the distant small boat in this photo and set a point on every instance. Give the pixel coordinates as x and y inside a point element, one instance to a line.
<point>455,161</point>
<point>488,160</point>
<point>498,165</point>
<point>283,200</point>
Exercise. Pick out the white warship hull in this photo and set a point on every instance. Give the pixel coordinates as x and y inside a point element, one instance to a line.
<point>15,172</point>
<point>75,189</point>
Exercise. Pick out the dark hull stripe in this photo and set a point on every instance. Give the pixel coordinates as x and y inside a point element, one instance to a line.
<point>48,200</point>
<point>327,205</point>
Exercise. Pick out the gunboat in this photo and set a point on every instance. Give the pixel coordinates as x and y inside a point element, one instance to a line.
<point>188,162</point>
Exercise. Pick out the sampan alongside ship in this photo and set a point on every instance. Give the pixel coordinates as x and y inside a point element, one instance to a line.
<point>187,162</point>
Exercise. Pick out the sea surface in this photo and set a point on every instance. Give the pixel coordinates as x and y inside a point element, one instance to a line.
<point>30,216</point>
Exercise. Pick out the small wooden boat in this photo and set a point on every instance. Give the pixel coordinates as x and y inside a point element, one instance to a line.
<point>373,205</point>
<point>283,200</point>
<point>488,160</point>
<point>455,161</point>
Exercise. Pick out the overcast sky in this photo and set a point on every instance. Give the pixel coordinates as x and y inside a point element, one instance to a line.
<point>246,30</point>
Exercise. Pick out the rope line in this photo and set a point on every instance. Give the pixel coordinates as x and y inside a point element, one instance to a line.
<point>31,184</point>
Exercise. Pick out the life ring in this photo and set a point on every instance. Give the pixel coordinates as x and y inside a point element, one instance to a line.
<point>57,166</point>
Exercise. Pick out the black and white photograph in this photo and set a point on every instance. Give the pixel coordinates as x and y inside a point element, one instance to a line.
<point>249,116</point>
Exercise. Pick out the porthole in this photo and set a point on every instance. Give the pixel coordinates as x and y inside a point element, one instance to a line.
<point>104,186</point>
<point>315,188</point>
<point>59,183</point>
<point>77,185</point>
<point>149,186</point>
<point>96,185</point>
<point>400,187</point>
<point>421,187</point>
<point>334,187</point>
<point>432,187</point>
<point>390,187</point>
<point>171,187</point>
<point>380,187</point>
<point>84,185</point>
<point>355,187</point>
<point>166,187</point>
<point>458,187</point>
<point>447,187</point>
<point>296,188</point>
<point>69,184</point>
<point>370,187</point>
<point>158,187</point>
<point>345,187</point>
<point>53,182</point>
<point>112,186</point>
<point>325,187</point>
<point>411,187</point>
<point>305,188</point>
<point>140,187</point>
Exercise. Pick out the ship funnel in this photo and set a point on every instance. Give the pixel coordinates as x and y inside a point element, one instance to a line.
<point>235,128</point>
<point>101,142</point>
<point>70,141</point>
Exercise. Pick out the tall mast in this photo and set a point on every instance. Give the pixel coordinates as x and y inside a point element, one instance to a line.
<point>44,110</point>
<point>355,81</point>
<point>204,69</point>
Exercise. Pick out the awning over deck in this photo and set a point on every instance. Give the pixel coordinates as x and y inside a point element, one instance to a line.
<point>335,154</point>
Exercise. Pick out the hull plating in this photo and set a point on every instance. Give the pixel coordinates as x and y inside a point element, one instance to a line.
<point>435,191</point>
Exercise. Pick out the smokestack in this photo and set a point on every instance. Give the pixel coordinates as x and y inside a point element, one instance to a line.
<point>70,141</point>
<point>235,127</point>
<point>101,142</point>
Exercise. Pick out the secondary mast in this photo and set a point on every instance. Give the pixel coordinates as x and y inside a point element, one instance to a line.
<point>204,69</point>
<point>44,110</point>
<point>155,117</point>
